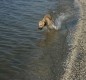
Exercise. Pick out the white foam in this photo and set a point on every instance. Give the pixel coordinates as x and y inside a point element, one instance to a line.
<point>58,21</point>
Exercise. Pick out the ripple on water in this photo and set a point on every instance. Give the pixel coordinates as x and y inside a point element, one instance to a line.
<point>21,58</point>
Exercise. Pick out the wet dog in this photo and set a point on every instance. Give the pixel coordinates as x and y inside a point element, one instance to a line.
<point>48,22</point>
<point>53,24</point>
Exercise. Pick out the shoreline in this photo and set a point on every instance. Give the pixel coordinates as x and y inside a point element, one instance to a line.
<point>76,62</point>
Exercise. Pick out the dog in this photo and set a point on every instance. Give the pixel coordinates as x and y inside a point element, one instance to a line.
<point>48,22</point>
<point>53,24</point>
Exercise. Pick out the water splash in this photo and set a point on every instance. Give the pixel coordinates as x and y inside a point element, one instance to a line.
<point>58,21</point>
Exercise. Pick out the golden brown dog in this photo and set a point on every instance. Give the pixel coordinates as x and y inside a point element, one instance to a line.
<point>53,24</point>
<point>46,21</point>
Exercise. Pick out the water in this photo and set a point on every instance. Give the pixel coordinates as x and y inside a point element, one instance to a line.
<point>27,53</point>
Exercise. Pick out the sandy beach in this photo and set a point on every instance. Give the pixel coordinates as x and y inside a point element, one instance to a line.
<point>76,63</point>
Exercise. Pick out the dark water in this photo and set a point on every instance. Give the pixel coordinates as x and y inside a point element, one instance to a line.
<point>27,53</point>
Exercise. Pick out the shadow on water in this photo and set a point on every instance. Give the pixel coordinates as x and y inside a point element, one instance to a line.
<point>50,65</point>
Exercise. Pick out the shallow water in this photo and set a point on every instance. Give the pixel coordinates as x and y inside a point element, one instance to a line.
<point>27,53</point>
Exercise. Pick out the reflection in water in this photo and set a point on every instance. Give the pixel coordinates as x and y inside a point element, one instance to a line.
<point>50,65</point>
<point>51,37</point>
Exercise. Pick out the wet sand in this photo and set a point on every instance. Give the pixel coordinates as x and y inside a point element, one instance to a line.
<point>76,62</point>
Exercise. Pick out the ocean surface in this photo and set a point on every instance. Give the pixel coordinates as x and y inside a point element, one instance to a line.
<point>27,53</point>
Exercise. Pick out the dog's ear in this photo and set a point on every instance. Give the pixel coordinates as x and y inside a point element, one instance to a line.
<point>45,23</point>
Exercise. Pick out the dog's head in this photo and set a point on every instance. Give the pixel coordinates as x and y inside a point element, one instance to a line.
<point>42,24</point>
